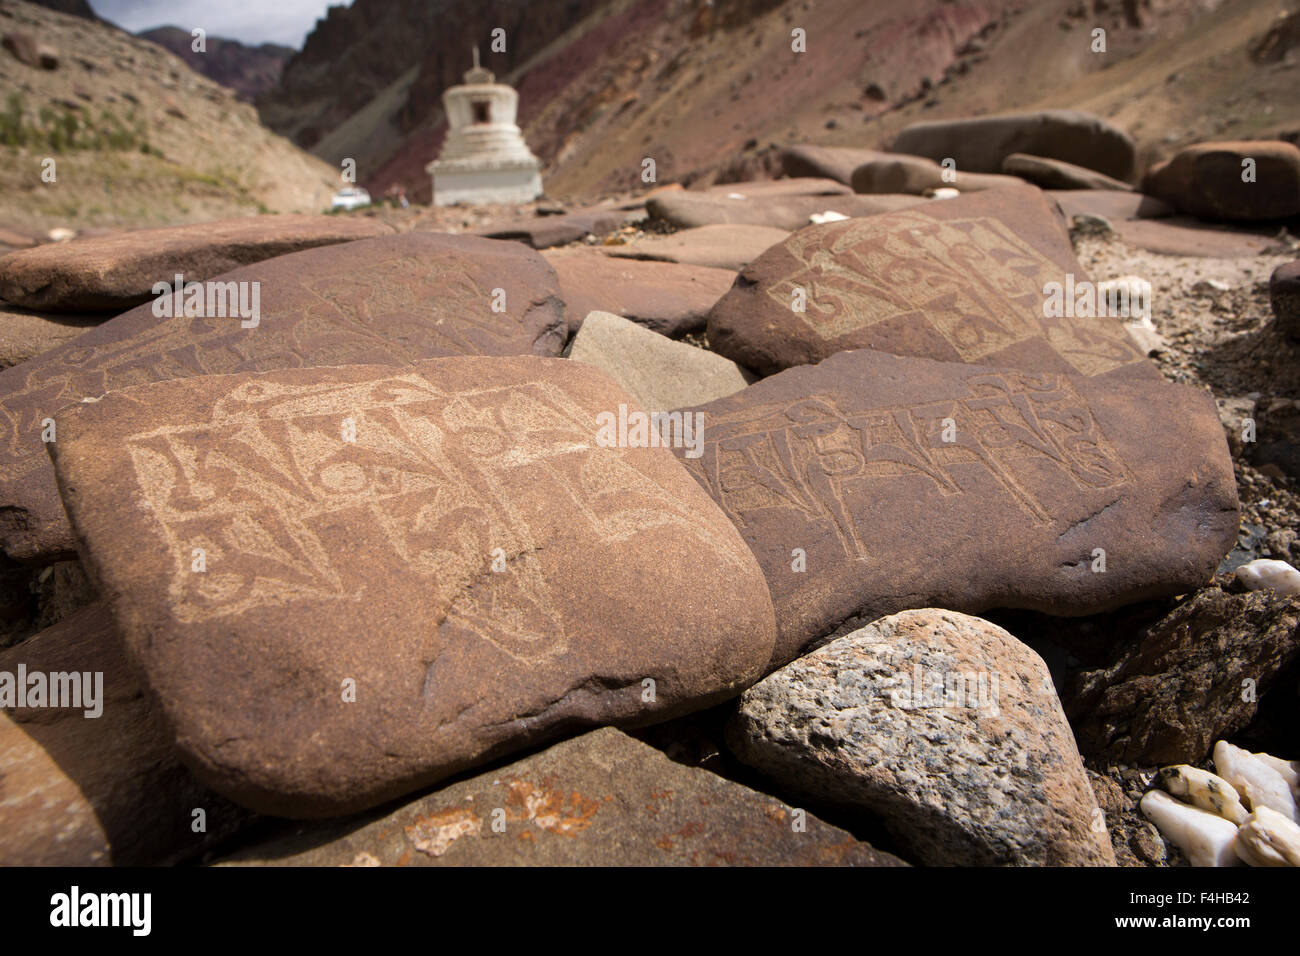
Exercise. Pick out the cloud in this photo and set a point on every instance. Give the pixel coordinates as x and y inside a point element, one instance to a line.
<point>250,21</point>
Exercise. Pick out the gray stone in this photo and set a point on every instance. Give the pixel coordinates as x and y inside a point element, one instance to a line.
<point>656,371</point>
<point>943,725</point>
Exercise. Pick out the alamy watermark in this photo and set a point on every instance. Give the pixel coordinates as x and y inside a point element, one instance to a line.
<point>632,428</point>
<point>82,690</point>
<point>209,300</point>
<point>1122,298</point>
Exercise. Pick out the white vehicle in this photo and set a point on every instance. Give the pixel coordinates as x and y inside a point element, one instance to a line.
<point>350,197</point>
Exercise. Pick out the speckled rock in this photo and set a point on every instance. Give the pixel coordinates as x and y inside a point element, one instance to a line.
<point>943,725</point>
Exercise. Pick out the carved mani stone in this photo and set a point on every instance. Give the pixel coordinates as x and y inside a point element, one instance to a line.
<point>958,280</point>
<point>115,272</point>
<point>94,791</point>
<point>347,583</point>
<point>871,484</point>
<point>392,300</point>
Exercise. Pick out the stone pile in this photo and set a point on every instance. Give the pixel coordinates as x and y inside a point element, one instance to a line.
<point>446,522</point>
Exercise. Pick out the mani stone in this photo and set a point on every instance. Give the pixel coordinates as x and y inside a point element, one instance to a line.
<point>718,247</point>
<point>1176,687</point>
<point>25,334</point>
<point>957,280</point>
<point>915,175</point>
<point>345,584</point>
<point>392,300</point>
<point>1241,181</point>
<point>943,725</point>
<point>656,371</point>
<point>1058,174</point>
<point>97,791</point>
<point>602,799</point>
<point>871,484</point>
<point>670,298</point>
<point>484,158</point>
<point>1284,296</point>
<point>687,210</point>
<point>115,272</point>
<point>980,145</point>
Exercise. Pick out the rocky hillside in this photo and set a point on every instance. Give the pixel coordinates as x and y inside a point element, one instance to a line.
<point>700,85</point>
<point>136,136</point>
<point>248,70</point>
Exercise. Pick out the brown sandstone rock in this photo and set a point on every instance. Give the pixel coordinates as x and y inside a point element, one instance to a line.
<point>405,572</point>
<point>668,297</point>
<point>719,247</point>
<point>1110,204</point>
<point>840,479</point>
<point>982,143</point>
<point>25,334</point>
<point>687,210</point>
<point>913,175</point>
<point>946,727</point>
<point>1181,684</point>
<point>97,791</point>
<point>1058,174</point>
<point>833,162</point>
<point>602,799</point>
<point>1284,296</point>
<point>391,300</point>
<point>959,280</point>
<point>1206,180</point>
<point>113,273</point>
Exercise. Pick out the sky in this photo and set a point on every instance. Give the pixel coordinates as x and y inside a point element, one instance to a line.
<point>251,21</point>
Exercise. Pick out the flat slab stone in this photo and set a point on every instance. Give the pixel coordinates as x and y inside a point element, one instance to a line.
<point>543,232</point>
<point>840,480</point>
<point>946,727</point>
<point>896,173</point>
<point>980,144</point>
<point>1185,236</point>
<point>719,247</point>
<point>1208,181</point>
<point>602,799</point>
<point>959,280</point>
<point>668,297</point>
<point>115,272</point>
<point>456,560</point>
<point>25,334</point>
<point>1058,174</point>
<point>391,300</point>
<point>688,210</point>
<point>96,791</point>
<point>832,162</point>
<point>656,371</point>
<point>1109,204</point>
<point>791,186</point>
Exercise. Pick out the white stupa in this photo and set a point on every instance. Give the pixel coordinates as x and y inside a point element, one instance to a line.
<point>485,158</point>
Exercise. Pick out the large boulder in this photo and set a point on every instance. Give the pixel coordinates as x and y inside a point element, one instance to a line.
<point>832,162</point>
<point>944,726</point>
<point>99,786</point>
<point>115,272</point>
<point>982,144</point>
<point>391,300</point>
<point>915,175</point>
<point>870,484</point>
<point>959,280</point>
<point>1232,181</point>
<point>345,584</point>
<point>603,799</point>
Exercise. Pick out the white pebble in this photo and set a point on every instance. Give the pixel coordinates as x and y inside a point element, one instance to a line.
<point>830,215</point>
<point>1205,790</point>
<point>1204,838</point>
<point>1268,573</point>
<point>1269,839</point>
<point>1258,784</point>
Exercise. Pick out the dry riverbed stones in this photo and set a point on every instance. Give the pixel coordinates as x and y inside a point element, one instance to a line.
<point>392,300</point>
<point>946,727</point>
<point>344,584</point>
<point>958,280</point>
<point>602,799</point>
<point>871,483</point>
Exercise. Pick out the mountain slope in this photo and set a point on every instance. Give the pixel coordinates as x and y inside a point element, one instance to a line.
<point>248,70</point>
